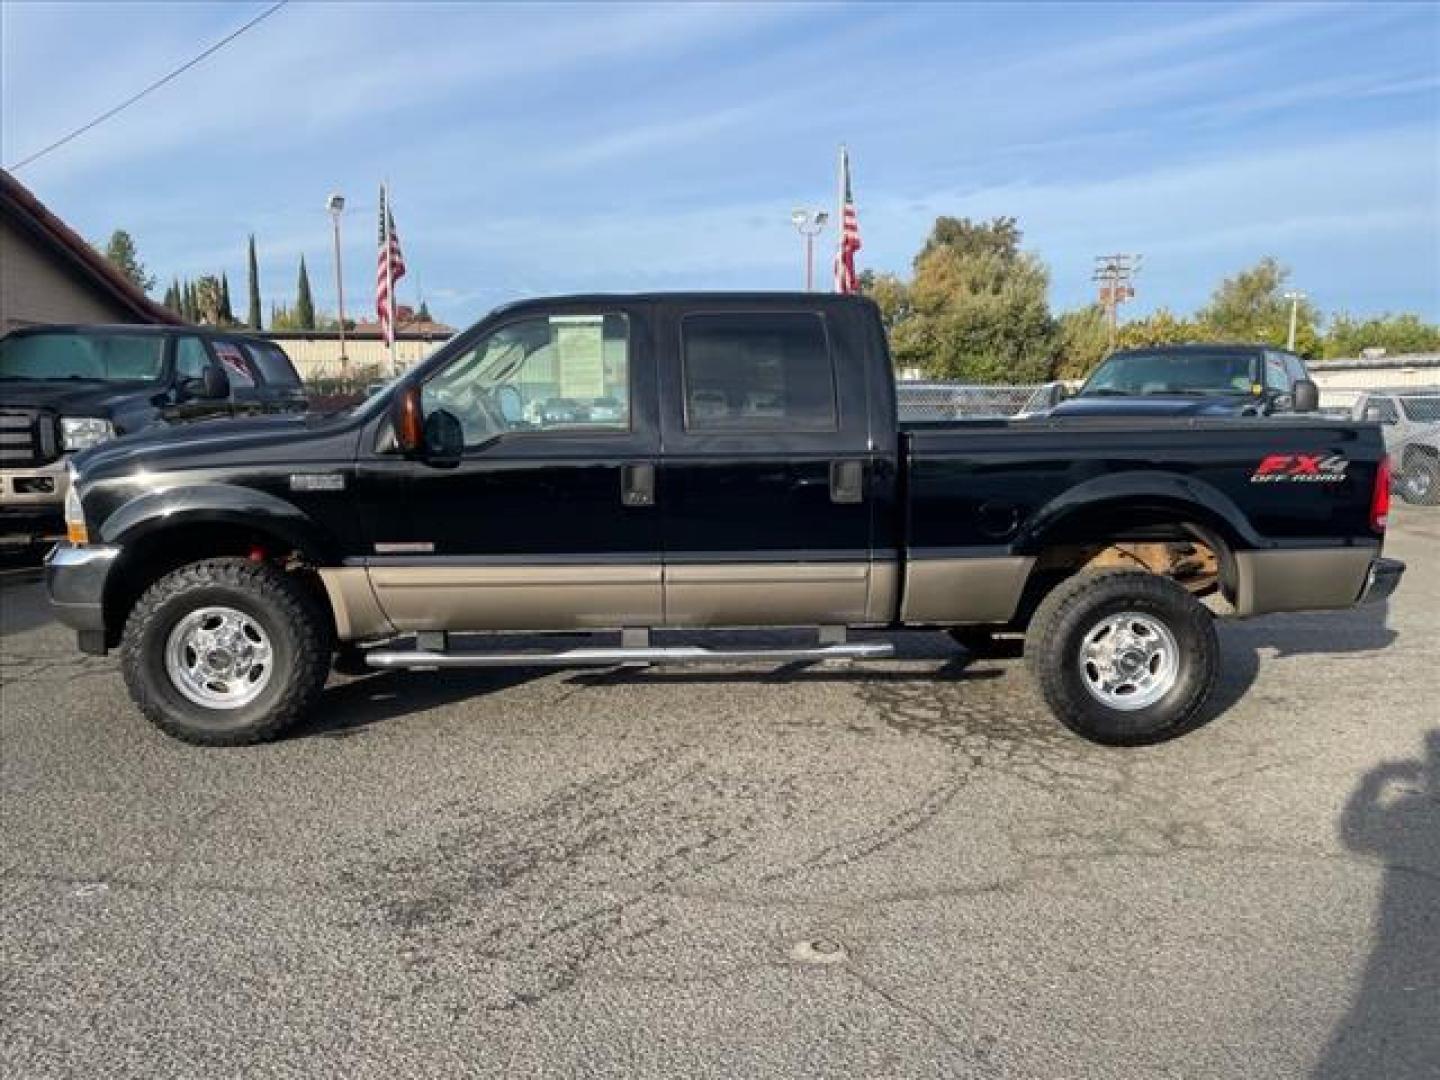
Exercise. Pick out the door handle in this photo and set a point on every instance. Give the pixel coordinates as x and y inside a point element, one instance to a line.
<point>637,485</point>
<point>847,481</point>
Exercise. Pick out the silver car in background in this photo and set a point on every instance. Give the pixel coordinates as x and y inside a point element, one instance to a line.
<point>1410,420</point>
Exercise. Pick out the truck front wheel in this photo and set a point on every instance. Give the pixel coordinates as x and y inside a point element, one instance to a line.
<point>225,652</point>
<point>1123,657</point>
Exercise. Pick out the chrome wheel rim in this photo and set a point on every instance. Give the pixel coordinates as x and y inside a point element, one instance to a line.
<point>1129,661</point>
<point>219,658</point>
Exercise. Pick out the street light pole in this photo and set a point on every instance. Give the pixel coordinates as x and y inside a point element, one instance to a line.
<point>336,205</point>
<point>1294,297</point>
<point>809,224</point>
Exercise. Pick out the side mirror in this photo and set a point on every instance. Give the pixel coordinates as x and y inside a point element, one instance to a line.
<point>407,415</point>
<point>214,383</point>
<point>1305,396</point>
<point>444,439</point>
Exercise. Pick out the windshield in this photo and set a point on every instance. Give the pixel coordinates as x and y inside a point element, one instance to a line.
<point>100,357</point>
<point>1173,373</point>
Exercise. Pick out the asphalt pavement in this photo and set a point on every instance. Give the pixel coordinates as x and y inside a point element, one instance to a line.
<point>904,869</point>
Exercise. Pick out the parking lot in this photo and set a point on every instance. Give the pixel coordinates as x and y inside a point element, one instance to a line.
<point>905,869</point>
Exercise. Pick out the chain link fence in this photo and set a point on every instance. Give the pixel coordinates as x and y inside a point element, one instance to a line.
<point>920,401</point>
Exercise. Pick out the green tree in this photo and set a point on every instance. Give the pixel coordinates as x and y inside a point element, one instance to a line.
<point>976,308</point>
<point>120,251</point>
<point>1163,327</point>
<point>209,299</point>
<point>252,317</point>
<point>227,316</point>
<point>1396,334</point>
<point>891,296</point>
<point>1251,307</point>
<point>423,315</point>
<point>1082,340</point>
<point>188,307</point>
<point>304,301</point>
<point>172,295</point>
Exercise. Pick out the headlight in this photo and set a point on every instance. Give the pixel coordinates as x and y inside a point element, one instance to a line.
<point>81,433</point>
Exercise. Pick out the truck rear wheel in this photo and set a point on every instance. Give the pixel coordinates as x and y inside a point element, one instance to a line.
<point>1123,657</point>
<point>225,652</point>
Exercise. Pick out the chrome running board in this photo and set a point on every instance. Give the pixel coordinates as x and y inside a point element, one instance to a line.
<point>605,657</point>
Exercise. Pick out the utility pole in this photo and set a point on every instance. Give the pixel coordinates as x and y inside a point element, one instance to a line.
<point>1115,275</point>
<point>1294,296</point>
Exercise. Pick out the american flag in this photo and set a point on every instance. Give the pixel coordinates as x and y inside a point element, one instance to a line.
<point>846,280</point>
<point>389,269</point>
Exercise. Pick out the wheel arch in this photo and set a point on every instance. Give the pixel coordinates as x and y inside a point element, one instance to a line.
<point>162,531</point>
<point>1153,507</point>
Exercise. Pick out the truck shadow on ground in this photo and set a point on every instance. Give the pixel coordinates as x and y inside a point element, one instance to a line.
<point>932,659</point>
<point>1392,1028</point>
<point>1355,630</point>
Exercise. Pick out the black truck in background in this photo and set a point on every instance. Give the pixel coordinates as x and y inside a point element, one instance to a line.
<point>746,469</point>
<point>1203,380</point>
<point>64,389</point>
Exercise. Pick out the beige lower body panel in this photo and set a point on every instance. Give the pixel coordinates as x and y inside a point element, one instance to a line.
<point>389,599</point>
<point>1305,579</point>
<point>518,597</point>
<point>767,594</point>
<point>964,590</point>
<point>358,614</point>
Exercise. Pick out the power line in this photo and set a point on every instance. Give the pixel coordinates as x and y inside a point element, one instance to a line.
<point>152,87</point>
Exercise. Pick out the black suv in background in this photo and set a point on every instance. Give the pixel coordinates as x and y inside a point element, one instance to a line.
<point>1196,380</point>
<point>68,388</point>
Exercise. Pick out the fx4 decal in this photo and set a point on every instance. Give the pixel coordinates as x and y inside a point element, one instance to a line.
<point>1300,469</point>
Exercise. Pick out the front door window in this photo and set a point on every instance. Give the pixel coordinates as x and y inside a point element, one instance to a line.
<point>559,373</point>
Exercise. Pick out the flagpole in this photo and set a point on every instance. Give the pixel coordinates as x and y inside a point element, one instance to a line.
<point>390,279</point>
<point>840,222</point>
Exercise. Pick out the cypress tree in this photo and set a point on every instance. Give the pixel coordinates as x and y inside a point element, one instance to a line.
<point>423,315</point>
<point>304,302</point>
<point>227,317</point>
<point>253,316</point>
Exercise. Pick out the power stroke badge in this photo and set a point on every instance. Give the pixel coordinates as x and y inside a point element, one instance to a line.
<point>1300,469</point>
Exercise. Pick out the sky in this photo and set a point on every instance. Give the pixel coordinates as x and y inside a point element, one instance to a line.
<point>566,148</point>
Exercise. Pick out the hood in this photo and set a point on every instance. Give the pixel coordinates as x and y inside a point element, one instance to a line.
<point>75,397</point>
<point>1160,405</point>
<point>210,442</point>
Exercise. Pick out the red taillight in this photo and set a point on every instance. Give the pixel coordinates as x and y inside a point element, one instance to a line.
<point>1380,497</point>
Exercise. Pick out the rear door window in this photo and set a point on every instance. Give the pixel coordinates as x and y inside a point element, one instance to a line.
<point>758,372</point>
<point>275,367</point>
<point>1276,377</point>
<point>236,366</point>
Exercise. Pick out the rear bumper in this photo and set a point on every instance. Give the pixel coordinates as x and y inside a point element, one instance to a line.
<point>1382,579</point>
<point>75,578</point>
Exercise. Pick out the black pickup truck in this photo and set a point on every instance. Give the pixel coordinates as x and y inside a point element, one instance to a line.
<point>1197,381</point>
<point>725,460</point>
<point>64,389</point>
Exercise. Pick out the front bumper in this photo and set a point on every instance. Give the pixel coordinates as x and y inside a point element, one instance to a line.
<point>75,578</point>
<point>1382,579</point>
<point>32,500</point>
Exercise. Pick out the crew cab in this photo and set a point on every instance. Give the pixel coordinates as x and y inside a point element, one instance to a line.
<point>67,388</point>
<point>751,474</point>
<point>1196,380</point>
